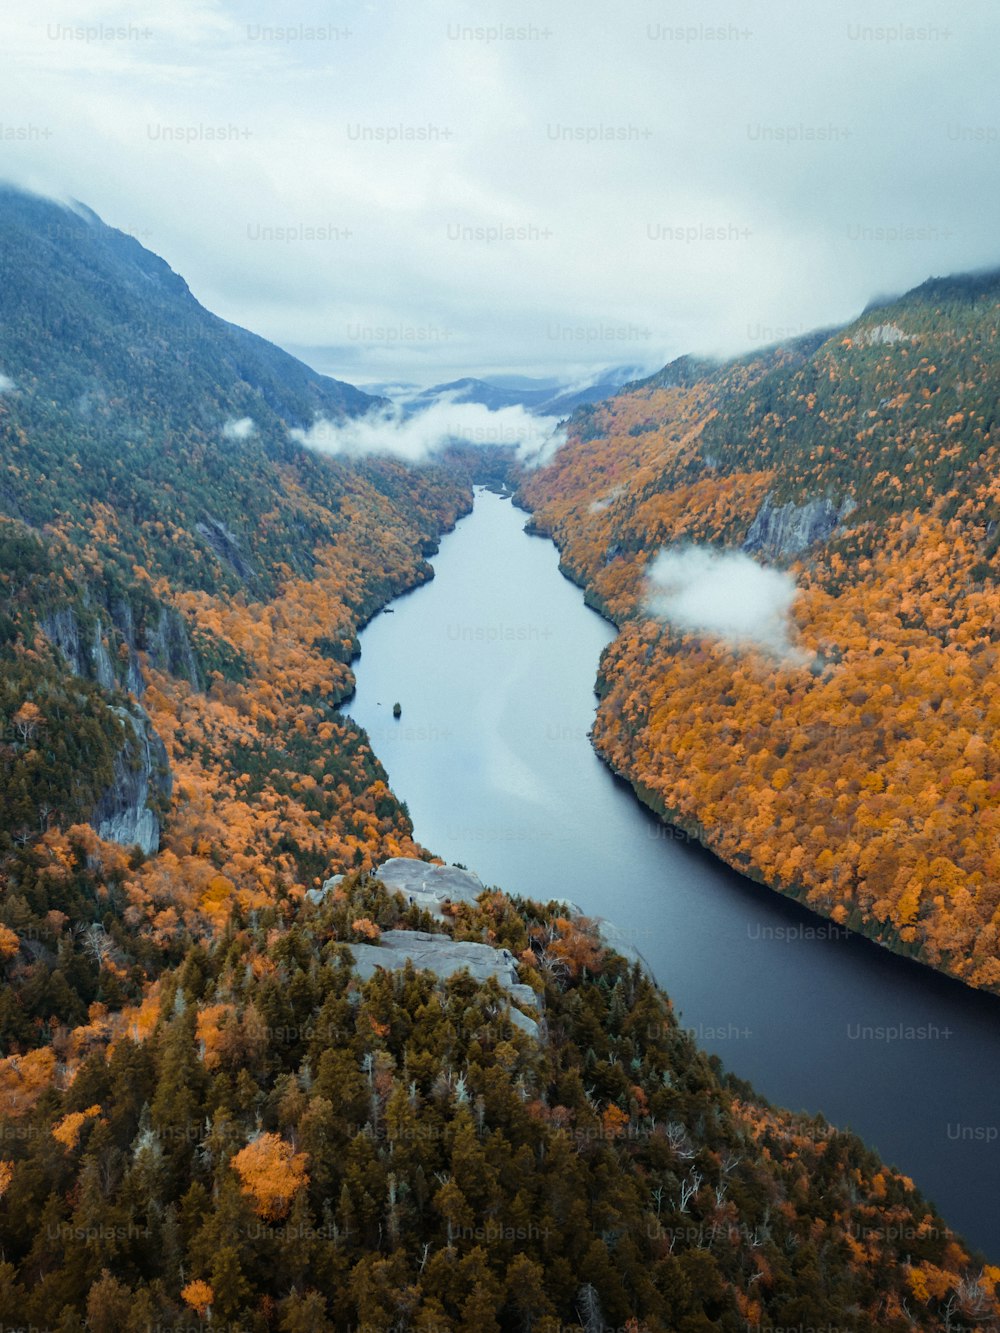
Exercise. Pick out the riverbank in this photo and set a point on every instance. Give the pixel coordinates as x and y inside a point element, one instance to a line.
<point>881,932</point>
<point>493,759</point>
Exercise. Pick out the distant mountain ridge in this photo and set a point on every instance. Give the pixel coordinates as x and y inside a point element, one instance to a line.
<point>544,398</point>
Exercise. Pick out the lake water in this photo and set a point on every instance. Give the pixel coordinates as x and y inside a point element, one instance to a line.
<point>493,663</point>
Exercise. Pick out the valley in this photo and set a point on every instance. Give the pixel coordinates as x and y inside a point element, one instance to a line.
<point>215,1104</point>
<point>495,660</point>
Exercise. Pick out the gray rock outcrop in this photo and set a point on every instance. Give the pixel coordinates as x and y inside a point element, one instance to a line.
<point>169,647</point>
<point>430,886</point>
<point>789,529</point>
<point>445,957</point>
<point>62,629</point>
<point>226,545</point>
<point>84,636</point>
<point>881,335</point>
<point>141,774</point>
<point>317,895</point>
<point>87,638</point>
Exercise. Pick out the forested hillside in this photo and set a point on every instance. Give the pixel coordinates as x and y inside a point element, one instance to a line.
<point>860,774</point>
<point>269,1144</point>
<point>179,600</point>
<point>207,1118</point>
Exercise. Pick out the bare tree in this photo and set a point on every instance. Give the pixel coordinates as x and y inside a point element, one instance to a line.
<point>97,943</point>
<point>730,1162</point>
<point>677,1137</point>
<point>588,1307</point>
<point>690,1186</point>
<point>971,1299</point>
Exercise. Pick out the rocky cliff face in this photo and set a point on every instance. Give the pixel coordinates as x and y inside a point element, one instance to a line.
<point>169,647</point>
<point>226,546</point>
<point>445,957</point>
<point>81,647</point>
<point>89,639</point>
<point>789,529</point>
<point>102,643</point>
<point>126,813</point>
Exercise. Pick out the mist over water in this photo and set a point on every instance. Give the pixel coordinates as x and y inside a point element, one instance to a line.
<point>494,663</point>
<point>418,436</point>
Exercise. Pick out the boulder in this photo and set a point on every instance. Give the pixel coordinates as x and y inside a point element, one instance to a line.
<point>445,957</point>
<point>429,886</point>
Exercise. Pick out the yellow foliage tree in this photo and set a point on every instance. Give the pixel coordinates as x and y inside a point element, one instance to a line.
<point>67,1131</point>
<point>366,928</point>
<point>199,1295</point>
<point>272,1173</point>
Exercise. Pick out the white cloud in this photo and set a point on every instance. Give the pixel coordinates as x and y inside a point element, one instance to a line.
<point>239,429</point>
<point>6,384</point>
<point>418,437</point>
<point>694,230</point>
<point>605,502</point>
<point>725,595</point>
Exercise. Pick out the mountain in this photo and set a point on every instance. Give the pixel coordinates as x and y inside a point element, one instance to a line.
<point>111,357</point>
<point>470,390</point>
<point>178,610</point>
<point>123,327</point>
<point>541,397</point>
<point>268,1132</point>
<point>859,771</point>
<point>227,1096</point>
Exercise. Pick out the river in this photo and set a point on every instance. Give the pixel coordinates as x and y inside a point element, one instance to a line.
<point>493,663</point>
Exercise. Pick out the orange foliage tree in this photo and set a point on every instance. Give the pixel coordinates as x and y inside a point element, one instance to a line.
<point>271,1172</point>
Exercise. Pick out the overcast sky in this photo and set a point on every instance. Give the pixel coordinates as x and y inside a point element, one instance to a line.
<point>666,176</point>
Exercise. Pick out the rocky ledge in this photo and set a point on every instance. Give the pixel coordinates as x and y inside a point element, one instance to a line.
<point>444,957</point>
<point>125,813</point>
<point>432,887</point>
<point>89,636</point>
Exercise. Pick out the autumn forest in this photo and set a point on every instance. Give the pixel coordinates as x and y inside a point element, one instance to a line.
<point>208,1117</point>
<point>861,775</point>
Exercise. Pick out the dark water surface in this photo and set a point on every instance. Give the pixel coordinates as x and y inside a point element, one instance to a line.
<point>494,663</point>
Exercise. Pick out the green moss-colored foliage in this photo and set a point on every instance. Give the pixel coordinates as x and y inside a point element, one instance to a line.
<point>457,1169</point>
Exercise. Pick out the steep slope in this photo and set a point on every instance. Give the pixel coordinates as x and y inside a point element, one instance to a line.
<point>178,609</point>
<point>861,774</point>
<point>110,359</point>
<point>121,324</point>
